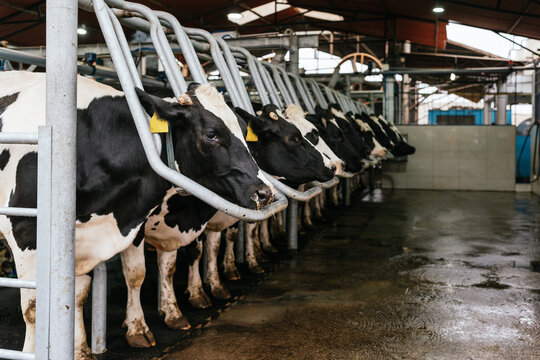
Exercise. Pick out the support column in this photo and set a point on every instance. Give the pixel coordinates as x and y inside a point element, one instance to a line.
<point>487,112</point>
<point>389,103</point>
<point>294,56</point>
<point>502,101</point>
<point>61,114</point>
<point>292,225</point>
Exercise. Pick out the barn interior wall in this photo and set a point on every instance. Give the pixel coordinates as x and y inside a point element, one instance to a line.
<point>456,158</point>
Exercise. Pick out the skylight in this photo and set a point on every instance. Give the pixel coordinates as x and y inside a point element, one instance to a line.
<point>274,6</point>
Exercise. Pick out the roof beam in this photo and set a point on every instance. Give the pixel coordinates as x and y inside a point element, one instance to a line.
<point>518,20</point>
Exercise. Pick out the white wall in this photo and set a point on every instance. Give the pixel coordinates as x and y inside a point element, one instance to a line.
<point>456,158</point>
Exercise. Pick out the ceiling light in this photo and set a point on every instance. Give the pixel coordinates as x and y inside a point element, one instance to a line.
<point>438,9</point>
<point>81,31</point>
<point>234,16</point>
<point>452,77</point>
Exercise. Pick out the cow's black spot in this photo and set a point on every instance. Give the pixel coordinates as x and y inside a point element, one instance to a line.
<point>4,158</point>
<point>7,100</point>
<point>25,195</point>
<point>313,137</point>
<point>140,236</point>
<point>187,212</point>
<point>84,219</point>
<point>193,251</point>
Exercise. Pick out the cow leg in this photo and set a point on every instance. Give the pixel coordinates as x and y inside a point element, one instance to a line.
<point>211,246</point>
<point>251,259</point>
<point>168,304</point>
<point>307,215</point>
<point>82,286</point>
<point>317,206</point>
<point>335,196</point>
<point>138,334</point>
<point>264,237</point>
<point>197,296</point>
<point>229,267</point>
<point>259,254</point>
<point>277,226</point>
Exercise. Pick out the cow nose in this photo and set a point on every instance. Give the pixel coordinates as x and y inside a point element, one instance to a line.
<point>264,194</point>
<point>333,168</point>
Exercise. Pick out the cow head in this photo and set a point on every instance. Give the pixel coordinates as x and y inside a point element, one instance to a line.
<point>295,115</point>
<point>334,137</point>
<point>349,131</point>
<point>208,145</point>
<point>281,150</point>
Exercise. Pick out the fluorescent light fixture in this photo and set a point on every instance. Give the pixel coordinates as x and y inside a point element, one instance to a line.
<point>81,31</point>
<point>234,16</point>
<point>452,77</point>
<point>438,9</point>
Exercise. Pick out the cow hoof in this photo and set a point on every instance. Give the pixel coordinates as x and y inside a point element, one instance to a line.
<point>141,340</point>
<point>202,301</point>
<point>221,293</point>
<point>256,269</point>
<point>84,353</point>
<point>232,275</point>
<point>270,249</point>
<point>177,323</point>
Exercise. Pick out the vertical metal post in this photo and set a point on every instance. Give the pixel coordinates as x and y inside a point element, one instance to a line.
<point>486,116</point>
<point>371,177</point>
<point>43,243</point>
<point>292,225</point>
<point>61,113</point>
<point>294,56</point>
<point>203,266</point>
<point>347,192</point>
<point>389,98</point>
<point>239,245</point>
<point>99,309</point>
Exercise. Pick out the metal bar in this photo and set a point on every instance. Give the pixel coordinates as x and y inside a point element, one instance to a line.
<point>233,66</point>
<point>185,44</point>
<point>289,85</point>
<point>43,231</point>
<point>217,56</point>
<point>14,211</point>
<point>304,41</point>
<point>318,94</point>
<point>98,71</point>
<point>254,70</point>
<point>61,114</point>
<point>290,192</point>
<point>140,120</point>
<point>502,69</point>
<point>308,93</point>
<point>273,93</point>
<point>99,309</point>
<point>330,183</point>
<point>18,138</point>
<point>309,106</point>
<point>292,225</point>
<point>16,355</point>
<point>280,84</point>
<point>17,283</point>
<point>239,245</point>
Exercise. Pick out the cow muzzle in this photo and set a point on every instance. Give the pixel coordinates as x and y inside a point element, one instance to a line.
<point>262,196</point>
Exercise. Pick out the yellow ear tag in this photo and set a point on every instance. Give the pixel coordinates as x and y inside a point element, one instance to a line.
<point>251,136</point>
<point>158,125</point>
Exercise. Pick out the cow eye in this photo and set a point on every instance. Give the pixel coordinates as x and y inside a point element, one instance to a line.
<point>211,136</point>
<point>296,139</point>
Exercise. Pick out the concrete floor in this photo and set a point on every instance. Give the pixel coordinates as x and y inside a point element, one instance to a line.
<point>400,275</point>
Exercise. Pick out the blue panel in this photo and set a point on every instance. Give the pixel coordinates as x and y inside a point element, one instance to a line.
<point>524,170</point>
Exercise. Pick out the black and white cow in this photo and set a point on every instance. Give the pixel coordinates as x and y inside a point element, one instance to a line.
<point>280,149</point>
<point>333,136</point>
<point>116,187</point>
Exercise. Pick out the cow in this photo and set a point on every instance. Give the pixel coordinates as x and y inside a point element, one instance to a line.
<point>333,136</point>
<point>116,188</point>
<point>280,149</point>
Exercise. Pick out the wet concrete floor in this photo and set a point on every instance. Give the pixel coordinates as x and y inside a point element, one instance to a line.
<point>399,275</point>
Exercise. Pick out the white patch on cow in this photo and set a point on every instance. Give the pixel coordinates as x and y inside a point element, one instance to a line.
<point>213,101</point>
<point>91,249</point>
<point>338,113</point>
<point>295,115</point>
<point>164,237</point>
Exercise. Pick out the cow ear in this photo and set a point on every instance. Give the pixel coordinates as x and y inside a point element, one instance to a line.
<point>164,109</point>
<point>259,125</point>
